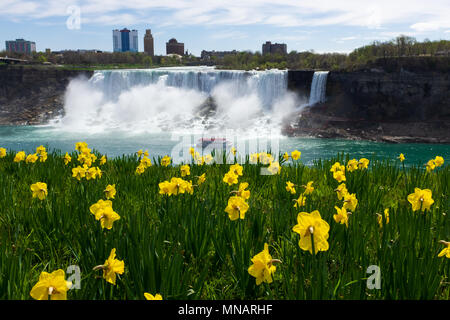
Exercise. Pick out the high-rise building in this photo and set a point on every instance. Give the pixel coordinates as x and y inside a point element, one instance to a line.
<point>125,40</point>
<point>173,46</point>
<point>21,46</point>
<point>117,41</point>
<point>268,48</point>
<point>148,43</point>
<point>134,40</point>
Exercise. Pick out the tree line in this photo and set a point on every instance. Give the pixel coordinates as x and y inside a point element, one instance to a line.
<point>399,48</point>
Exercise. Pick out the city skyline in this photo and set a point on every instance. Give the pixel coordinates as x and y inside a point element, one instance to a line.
<point>323,26</point>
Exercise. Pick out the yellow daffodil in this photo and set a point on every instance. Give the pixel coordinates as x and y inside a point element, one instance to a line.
<point>337,167</point>
<point>31,158</point>
<point>401,157</point>
<point>420,199</point>
<point>198,160</point>
<point>2,153</point>
<point>192,151</point>
<point>308,188</point>
<point>196,157</point>
<point>189,187</point>
<point>386,215</point>
<point>438,161</point>
<point>20,156</point>
<point>165,188</point>
<point>208,158</point>
<point>80,145</point>
<point>339,176</point>
<point>51,284</point>
<point>233,150</point>
<point>185,170</point>
<point>85,150</point>
<point>265,158</point>
<point>300,202</point>
<point>110,191</point>
<point>254,158</point>
<point>236,208</point>
<point>149,296</point>
<point>146,162</point>
<point>352,165</point>
<point>41,149</point>
<point>87,158</point>
<point>380,218</point>
<point>263,266</point>
<point>103,211</point>
<point>91,173</point>
<point>236,169</point>
<point>242,192</point>
<point>446,251</point>
<point>140,169</point>
<point>341,191</point>
<point>43,156</point>
<point>341,216</point>
<point>180,186</point>
<point>102,160</point>
<point>176,186</point>
<point>230,178</point>
<point>295,155</point>
<point>165,161</point>
<point>311,227</point>
<point>79,172</point>
<point>350,201</point>
<point>39,190</point>
<point>201,179</point>
<point>111,267</point>
<point>67,159</point>
<point>286,156</point>
<point>274,168</point>
<point>140,153</point>
<point>290,187</point>
<point>99,172</point>
<point>363,163</point>
<point>431,164</point>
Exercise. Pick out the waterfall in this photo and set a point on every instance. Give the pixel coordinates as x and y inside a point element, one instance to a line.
<point>165,99</point>
<point>268,85</point>
<point>318,87</point>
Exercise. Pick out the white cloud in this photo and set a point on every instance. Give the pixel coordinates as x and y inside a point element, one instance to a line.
<point>421,16</point>
<point>430,26</point>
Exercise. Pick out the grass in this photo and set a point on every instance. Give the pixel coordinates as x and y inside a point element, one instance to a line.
<point>186,247</point>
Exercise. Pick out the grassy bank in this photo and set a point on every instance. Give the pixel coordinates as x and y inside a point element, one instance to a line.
<point>185,246</point>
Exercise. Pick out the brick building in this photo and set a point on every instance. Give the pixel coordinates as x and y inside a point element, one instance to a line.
<point>173,46</point>
<point>148,43</point>
<point>270,48</point>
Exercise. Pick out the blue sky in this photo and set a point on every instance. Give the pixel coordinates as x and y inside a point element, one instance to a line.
<point>321,25</point>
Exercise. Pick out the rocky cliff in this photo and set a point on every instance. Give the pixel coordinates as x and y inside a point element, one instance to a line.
<point>33,95</point>
<point>377,105</point>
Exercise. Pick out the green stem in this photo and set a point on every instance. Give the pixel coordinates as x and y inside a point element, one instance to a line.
<point>313,266</point>
<point>404,172</point>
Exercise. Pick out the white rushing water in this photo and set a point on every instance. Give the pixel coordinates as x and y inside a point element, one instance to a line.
<point>318,88</point>
<point>168,99</point>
